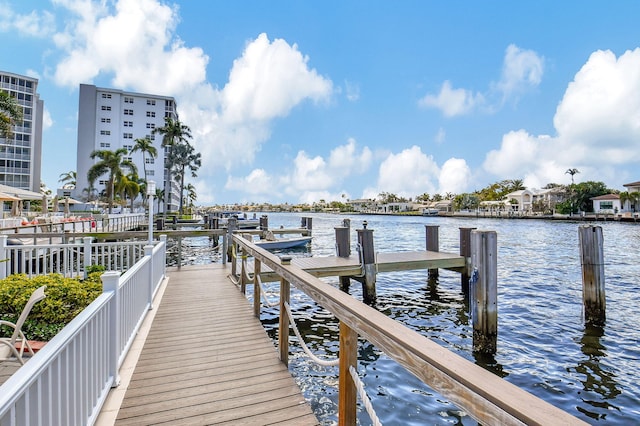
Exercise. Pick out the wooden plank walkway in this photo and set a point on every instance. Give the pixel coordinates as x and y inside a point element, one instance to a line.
<point>208,360</point>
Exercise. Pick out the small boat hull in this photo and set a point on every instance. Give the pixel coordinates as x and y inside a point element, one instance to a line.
<point>283,243</point>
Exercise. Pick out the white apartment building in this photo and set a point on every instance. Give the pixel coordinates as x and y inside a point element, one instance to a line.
<point>21,156</point>
<point>109,119</point>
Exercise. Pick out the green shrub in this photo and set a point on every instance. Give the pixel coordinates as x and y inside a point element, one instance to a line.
<point>66,298</point>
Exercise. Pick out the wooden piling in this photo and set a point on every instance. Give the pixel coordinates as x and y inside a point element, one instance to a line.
<point>264,222</point>
<point>483,291</point>
<point>343,249</point>
<point>347,392</point>
<point>433,244</point>
<point>592,259</point>
<point>365,241</point>
<point>465,251</point>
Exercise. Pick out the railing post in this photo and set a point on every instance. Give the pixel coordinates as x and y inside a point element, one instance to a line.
<point>465,251</point>
<point>225,248</point>
<point>4,256</point>
<point>283,326</point>
<point>592,259</point>
<point>432,244</point>
<point>87,258</point>
<point>111,283</point>
<point>483,290</point>
<point>163,240</point>
<point>148,251</point>
<point>256,287</point>
<point>346,387</point>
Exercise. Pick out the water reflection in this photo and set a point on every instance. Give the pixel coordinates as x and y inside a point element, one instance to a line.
<point>599,385</point>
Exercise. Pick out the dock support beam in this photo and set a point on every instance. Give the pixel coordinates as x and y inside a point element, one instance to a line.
<point>465,251</point>
<point>483,291</point>
<point>367,254</point>
<point>433,244</point>
<point>592,259</point>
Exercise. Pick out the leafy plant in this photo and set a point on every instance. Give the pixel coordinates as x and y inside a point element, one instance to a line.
<point>66,298</point>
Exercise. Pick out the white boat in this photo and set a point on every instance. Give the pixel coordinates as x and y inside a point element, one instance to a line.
<point>430,212</point>
<point>282,243</point>
<point>244,222</point>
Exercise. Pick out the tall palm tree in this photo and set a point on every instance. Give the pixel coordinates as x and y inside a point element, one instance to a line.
<point>516,185</point>
<point>572,172</point>
<point>68,179</point>
<point>192,196</point>
<point>145,146</point>
<point>127,185</point>
<point>173,133</point>
<point>184,157</point>
<point>10,113</point>
<point>159,197</point>
<point>112,163</point>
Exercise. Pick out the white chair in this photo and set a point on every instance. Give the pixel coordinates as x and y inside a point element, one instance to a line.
<point>8,345</point>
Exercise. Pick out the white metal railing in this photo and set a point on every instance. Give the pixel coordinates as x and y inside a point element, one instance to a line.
<point>68,380</point>
<point>70,259</point>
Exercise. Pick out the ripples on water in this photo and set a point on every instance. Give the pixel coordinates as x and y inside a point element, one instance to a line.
<point>543,345</point>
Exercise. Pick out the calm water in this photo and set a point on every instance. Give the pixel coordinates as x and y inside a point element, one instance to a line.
<point>543,344</point>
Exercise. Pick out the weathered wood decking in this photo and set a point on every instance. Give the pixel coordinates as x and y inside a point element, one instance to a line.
<point>208,360</point>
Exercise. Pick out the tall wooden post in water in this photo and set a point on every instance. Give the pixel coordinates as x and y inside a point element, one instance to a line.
<point>365,241</point>
<point>465,251</point>
<point>343,249</point>
<point>433,244</point>
<point>483,290</point>
<point>592,259</point>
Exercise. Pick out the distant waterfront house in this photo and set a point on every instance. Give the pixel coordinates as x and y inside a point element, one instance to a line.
<point>629,202</point>
<point>527,200</point>
<point>363,205</point>
<point>608,203</point>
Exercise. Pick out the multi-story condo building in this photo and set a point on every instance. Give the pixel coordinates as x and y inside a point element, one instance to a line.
<point>109,119</point>
<point>21,155</point>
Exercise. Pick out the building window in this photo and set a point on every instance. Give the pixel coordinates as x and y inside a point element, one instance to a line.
<point>149,160</point>
<point>105,145</point>
<point>128,124</point>
<point>105,132</point>
<point>106,108</point>
<point>127,135</point>
<point>150,172</point>
<point>151,113</point>
<point>128,147</point>
<point>128,112</point>
<point>105,120</point>
<point>106,96</point>
<point>151,102</point>
<point>606,205</point>
<point>151,137</point>
<point>128,100</point>
<point>104,182</point>
<point>151,126</point>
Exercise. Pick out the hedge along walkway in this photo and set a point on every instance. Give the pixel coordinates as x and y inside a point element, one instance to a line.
<point>208,360</point>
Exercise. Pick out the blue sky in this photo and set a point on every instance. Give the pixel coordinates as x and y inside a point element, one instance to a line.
<point>292,101</point>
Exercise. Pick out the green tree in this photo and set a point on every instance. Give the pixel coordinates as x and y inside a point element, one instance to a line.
<point>68,179</point>
<point>182,158</point>
<point>128,185</point>
<point>10,113</point>
<point>580,196</point>
<point>145,146</point>
<point>572,172</point>
<point>112,163</point>
<point>173,133</point>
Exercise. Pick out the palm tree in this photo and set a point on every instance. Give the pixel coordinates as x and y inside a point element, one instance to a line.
<point>68,179</point>
<point>184,157</point>
<point>572,172</point>
<point>159,197</point>
<point>516,185</point>
<point>192,196</point>
<point>173,133</point>
<point>145,146</point>
<point>111,163</point>
<point>127,185</point>
<point>10,113</point>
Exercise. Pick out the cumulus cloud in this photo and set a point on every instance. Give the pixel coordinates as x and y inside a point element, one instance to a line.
<point>597,124</point>
<point>37,24</point>
<point>454,176</point>
<point>408,173</point>
<point>258,182</point>
<point>452,101</point>
<point>521,70</point>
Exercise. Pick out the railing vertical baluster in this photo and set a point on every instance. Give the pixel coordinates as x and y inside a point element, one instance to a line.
<point>4,257</point>
<point>148,251</point>
<point>347,392</point>
<point>111,282</point>
<point>87,253</point>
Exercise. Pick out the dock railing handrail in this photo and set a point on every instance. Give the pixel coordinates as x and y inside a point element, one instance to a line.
<point>484,396</point>
<point>68,380</point>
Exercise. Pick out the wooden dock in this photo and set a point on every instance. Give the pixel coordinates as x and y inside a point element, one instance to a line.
<point>208,360</point>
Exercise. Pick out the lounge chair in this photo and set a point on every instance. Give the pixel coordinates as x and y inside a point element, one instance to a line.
<point>8,345</point>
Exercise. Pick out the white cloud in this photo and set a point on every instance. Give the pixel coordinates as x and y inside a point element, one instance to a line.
<point>455,176</point>
<point>258,182</point>
<point>345,160</point>
<point>408,173</point>
<point>47,121</point>
<point>34,24</point>
<point>452,101</point>
<point>597,124</point>
<point>521,69</point>
<point>441,136</point>
<point>352,91</point>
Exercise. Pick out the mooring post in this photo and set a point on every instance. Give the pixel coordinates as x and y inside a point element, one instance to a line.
<point>367,254</point>
<point>343,249</point>
<point>433,244</point>
<point>483,291</point>
<point>283,329</point>
<point>309,225</point>
<point>303,222</point>
<point>465,251</point>
<point>264,222</point>
<point>592,259</point>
